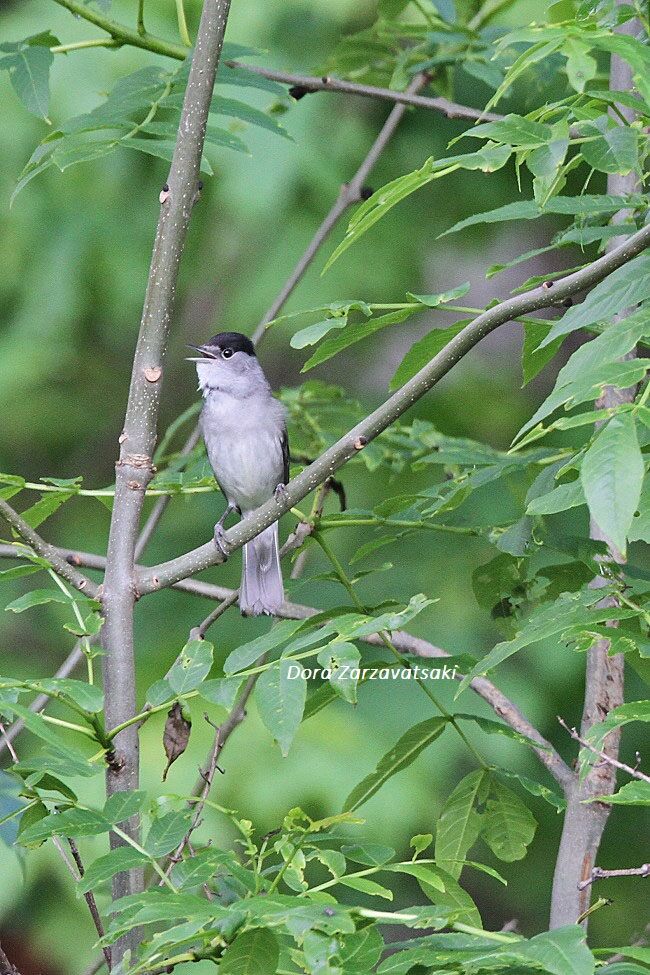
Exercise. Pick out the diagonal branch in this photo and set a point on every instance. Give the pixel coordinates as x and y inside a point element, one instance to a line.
<point>47,551</point>
<point>167,573</point>
<point>134,467</point>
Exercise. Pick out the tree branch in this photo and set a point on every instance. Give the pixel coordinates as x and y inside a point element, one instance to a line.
<point>167,573</point>
<point>47,551</point>
<point>599,874</point>
<point>585,821</point>
<point>306,84</point>
<point>134,467</point>
<point>89,897</point>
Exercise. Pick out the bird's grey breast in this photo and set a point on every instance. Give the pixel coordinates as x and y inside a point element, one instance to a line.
<point>243,437</point>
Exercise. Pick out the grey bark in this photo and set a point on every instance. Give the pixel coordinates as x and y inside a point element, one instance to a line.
<point>134,466</point>
<point>584,822</point>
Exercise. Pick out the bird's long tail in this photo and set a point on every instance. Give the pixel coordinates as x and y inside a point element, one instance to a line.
<point>261,590</point>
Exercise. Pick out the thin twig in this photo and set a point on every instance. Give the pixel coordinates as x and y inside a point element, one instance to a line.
<point>198,632</point>
<point>599,874</point>
<point>604,756</point>
<point>7,742</point>
<point>350,193</point>
<point>306,84</point>
<point>90,899</point>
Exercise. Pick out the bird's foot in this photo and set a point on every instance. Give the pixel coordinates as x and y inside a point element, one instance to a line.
<point>280,493</point>
<point>221,541</point>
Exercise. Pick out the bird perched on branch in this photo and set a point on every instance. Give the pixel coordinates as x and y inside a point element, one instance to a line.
<point>245,435</point>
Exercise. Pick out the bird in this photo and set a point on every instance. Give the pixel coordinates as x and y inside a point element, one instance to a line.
<point>245,433</point>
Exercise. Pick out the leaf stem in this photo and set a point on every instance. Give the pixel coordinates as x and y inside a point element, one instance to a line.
<point>82,45</point>
<point>141,28</point>
<point>122,33</point>
<point>182,23</point>
<point>136,846</point>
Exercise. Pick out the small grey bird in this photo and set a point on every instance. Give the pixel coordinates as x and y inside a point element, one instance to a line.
<point>245,435</point>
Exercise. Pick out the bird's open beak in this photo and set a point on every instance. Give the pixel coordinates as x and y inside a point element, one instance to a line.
<point>206,353</point>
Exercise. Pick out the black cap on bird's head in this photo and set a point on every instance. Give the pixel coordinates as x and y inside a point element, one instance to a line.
<point>224,345</point>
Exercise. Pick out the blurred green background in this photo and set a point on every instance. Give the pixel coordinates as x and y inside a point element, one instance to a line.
<point>74,253</point>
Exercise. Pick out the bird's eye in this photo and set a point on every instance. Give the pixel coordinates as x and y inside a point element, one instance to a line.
<point>226,353</point>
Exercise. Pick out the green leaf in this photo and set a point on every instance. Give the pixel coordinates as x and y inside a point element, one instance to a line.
<point>581,67</point>
<point>584,205</point>
<point>87,696</point>
<point>534,358</point>
<point>253,952</point>
<point>71,822</point>
<point>58,758</point>
<point>280,695</point>
<point>361,951</point>
<point>167,833</point>
<point>569,614</point>
<point>459,823</point>
<point>221,690</point>
<point>591,367</point>
<point>37,597</point>
<point>338,659</point>
<point>617,718</point>
<point>441,298</point>
<point>612,476</point>
<point>535,788</point>
<point>491,727</point>
<point>314,333</point>
<point>353,334</point>
<point>624,288</point>
<point>233,108</point>
<point>366,886</point>
<point>512,129</point>
<point>7,575</point>
<point>28,63</point>
<point>104,867</point>
<point>249,653</point>
<point>423,351</point>
<point>561,498</point>
<point>630,794</point>
<point>488,159</point>
<point>508,825</point>
<point>191,667</point>
<point>614,148</point>
<point>400,756</point>
<point>370,854</point>
<point>124,805</point>
<point>560,952</point>
<point>49,503</point>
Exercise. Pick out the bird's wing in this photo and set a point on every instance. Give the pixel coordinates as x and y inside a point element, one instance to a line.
<point>284,443</point>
